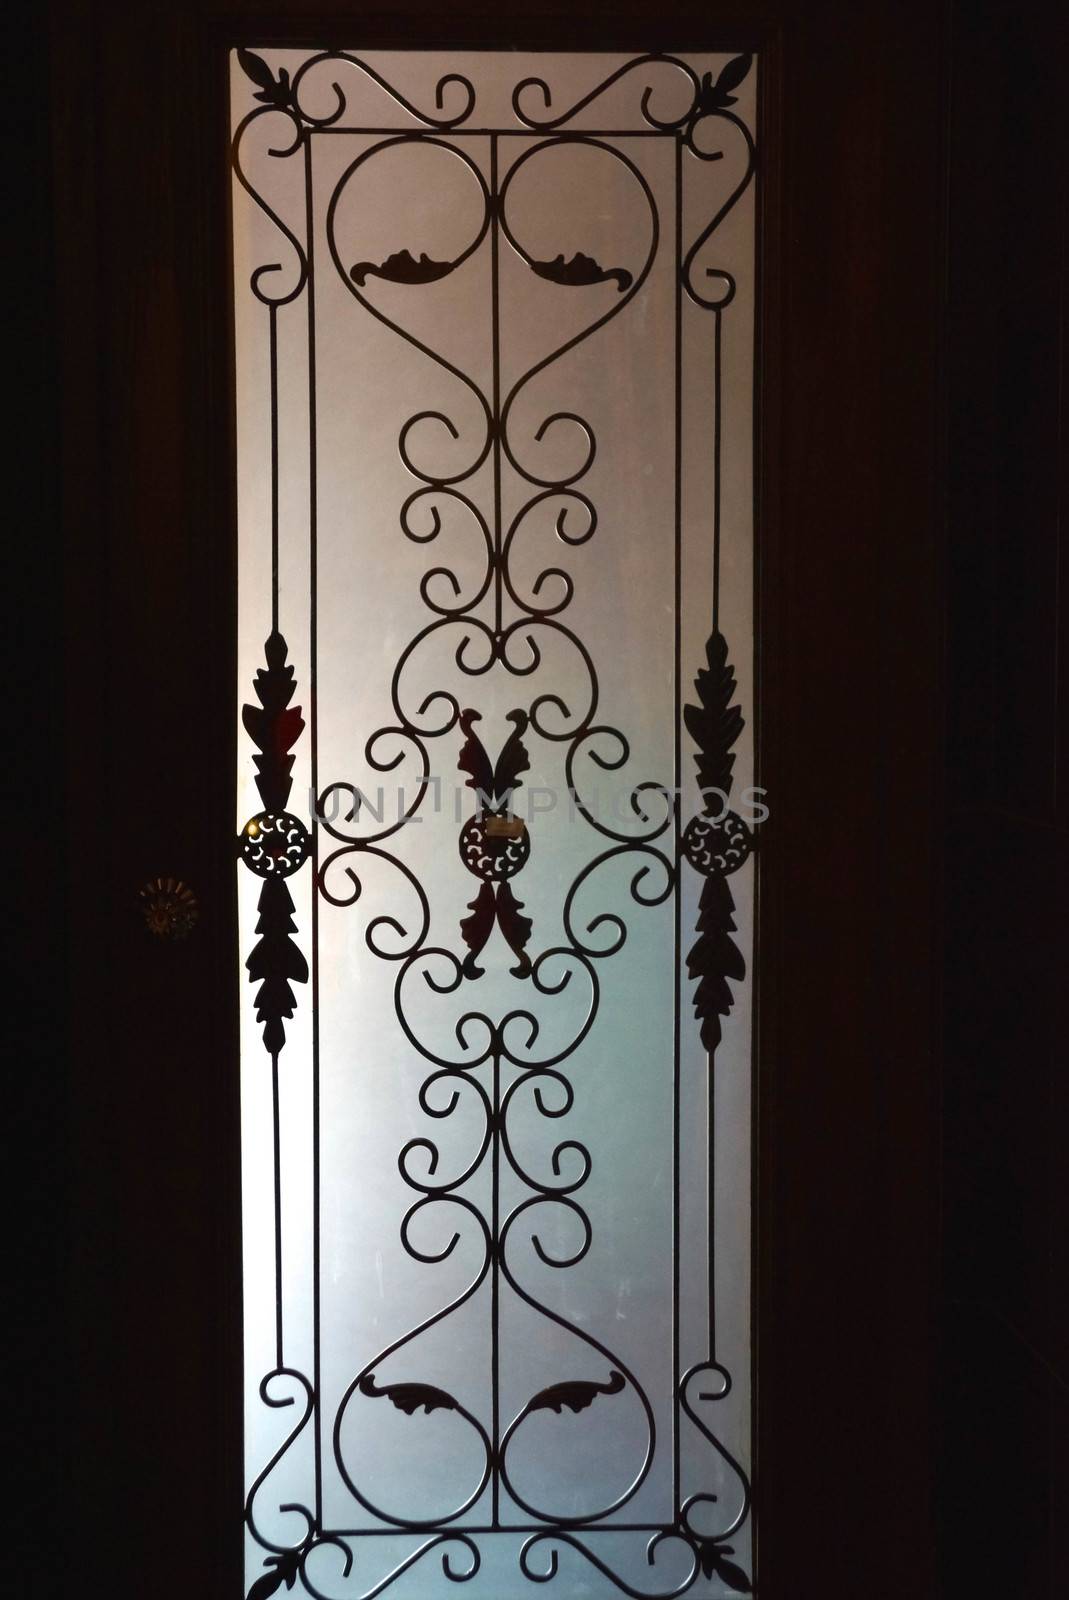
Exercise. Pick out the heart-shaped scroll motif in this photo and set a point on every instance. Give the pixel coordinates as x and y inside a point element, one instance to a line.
<point>412,266</point>
<point>402,1439</point>
<point>583,1444</point>
<point>610,284</point>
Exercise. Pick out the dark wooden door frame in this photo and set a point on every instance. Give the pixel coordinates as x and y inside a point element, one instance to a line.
<point>849,606</point>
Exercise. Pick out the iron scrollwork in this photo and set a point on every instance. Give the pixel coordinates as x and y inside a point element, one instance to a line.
<point>500,1062</point>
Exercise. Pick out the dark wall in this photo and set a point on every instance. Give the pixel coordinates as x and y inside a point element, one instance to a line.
<point>35,838</point>
<point>1004,1375</point>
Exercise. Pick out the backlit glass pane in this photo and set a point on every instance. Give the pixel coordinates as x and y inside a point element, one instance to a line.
<point>494,414</point>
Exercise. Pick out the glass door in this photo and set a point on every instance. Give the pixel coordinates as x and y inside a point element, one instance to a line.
<point>494,335</point>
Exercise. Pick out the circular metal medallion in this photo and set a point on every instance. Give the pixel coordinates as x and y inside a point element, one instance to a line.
<point>494,847</point>
<point>717,844</point>
<point>274,844</point>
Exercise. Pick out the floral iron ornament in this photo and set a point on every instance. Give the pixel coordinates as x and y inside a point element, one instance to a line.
<point>494,844</point>
<point>717,842</point>
<point>274,843</point>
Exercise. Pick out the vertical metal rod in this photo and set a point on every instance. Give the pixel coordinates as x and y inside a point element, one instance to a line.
<point>273,347</point>
<point>716,467</point>
<point>495,1290</point>
<point>495,313</point>
<point>313,734</point>
<point>278,1209</point>
<point>710,1074</point>
<point>677,781</point>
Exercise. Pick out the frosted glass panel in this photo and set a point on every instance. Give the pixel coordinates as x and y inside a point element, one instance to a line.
<point>494,379</point>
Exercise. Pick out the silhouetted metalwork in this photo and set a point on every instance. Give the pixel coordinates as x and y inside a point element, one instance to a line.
<point>717,842</point>
<point>274,844</point>
<point>494,845</point>
<point>491,849</point>
<point>580,271</point>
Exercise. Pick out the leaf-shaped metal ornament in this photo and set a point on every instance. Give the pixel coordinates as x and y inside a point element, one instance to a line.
<point>513,760</point>
<point>474,760</point>
<point>275,962</point>
<point>714,723</point>
<point>476,929</point>
<point>717,96</point>
<point>576,1394</point>
<point>712,1558</point>
<point>256,68</point>
<point>733,74</point>
<point>274,726</point>
<point>267,1585</point>
<point>286,1567</point>
<point>713,958</point>
<point>402,267</point>
<point>580,271</point>
<point>408,1397</point>
<point>272,91</point>
<point>515,928</point>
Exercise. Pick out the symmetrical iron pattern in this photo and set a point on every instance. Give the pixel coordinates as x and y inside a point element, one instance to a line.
<point>501,1064</point>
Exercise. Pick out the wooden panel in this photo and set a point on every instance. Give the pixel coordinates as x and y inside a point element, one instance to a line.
<point>848,597</point>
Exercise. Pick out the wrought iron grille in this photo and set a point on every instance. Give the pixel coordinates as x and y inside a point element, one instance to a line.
<point>479,310</point>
